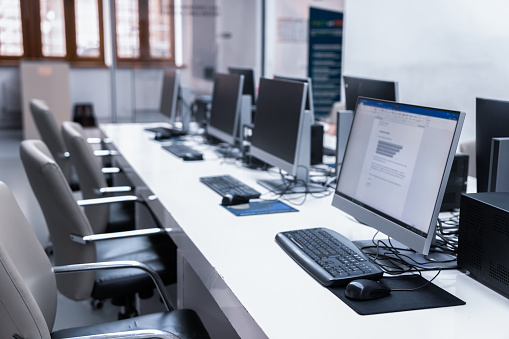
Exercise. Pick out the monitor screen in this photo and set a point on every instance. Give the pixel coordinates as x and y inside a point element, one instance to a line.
<point>249,81</point>
<point>491,121</point>
<point>370,88</point>
<point>309,95</point>
<point>226,101</point>
<point>169,94</point>
<point>279,114</point>
<point>396,167</point>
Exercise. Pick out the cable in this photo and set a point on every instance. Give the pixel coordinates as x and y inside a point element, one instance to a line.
<point>417,288</point>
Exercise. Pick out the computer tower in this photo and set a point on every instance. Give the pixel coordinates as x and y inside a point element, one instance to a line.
<point>483,239</point>
<point>316,144</point>
<point>457,183</point>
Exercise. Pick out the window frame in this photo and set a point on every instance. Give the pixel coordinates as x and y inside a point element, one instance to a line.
<point>144,59</point>
<point>32,37</point>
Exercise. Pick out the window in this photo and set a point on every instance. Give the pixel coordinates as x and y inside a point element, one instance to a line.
<point>72,30</point>
<point>52,30</point>
<point>11,35</point>
<point>144,31</point>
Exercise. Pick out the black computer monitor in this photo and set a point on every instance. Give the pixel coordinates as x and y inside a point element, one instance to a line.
<point>226,104</point>
<point>370,88</point>
<point>309,94</point>
<point>491,121</point>
<point>169,94</point>
<point>282,133</point>
<point>396,167</point>
<point>249,81</point>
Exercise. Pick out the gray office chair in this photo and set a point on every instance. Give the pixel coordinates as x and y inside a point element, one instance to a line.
<point>91,174</point>
<point>50,133</point>
<point>75,242</point>
<point>28,290</point>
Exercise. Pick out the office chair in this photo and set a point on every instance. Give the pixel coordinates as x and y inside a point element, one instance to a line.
<point>50,133</point>
<point>105,217</point>
<point>74,240</point>
<point>28,290</point>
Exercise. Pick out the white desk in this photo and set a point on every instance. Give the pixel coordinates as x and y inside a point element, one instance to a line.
<point>259,288</point>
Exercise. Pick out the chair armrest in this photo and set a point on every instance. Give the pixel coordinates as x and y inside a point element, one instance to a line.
<point>121,265</point>
<point>134,334</point>
<point>98,140</point>
<point>113,189</point>
<point>108,200</point>
<point>104,152</point>
<point>115,235</point>
<point>108,170</point>
<point>63,155</point>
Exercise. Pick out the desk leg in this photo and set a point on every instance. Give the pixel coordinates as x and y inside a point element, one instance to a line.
<point>192,294</point>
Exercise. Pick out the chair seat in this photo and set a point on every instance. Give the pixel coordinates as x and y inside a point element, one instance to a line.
<point>158,251</point>
<point>183,323</point>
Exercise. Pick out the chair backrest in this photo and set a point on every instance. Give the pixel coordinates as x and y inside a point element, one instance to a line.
<point>63,216</point>
<point>89,170</point>
<point>28,296</point>
<point>51,134</point>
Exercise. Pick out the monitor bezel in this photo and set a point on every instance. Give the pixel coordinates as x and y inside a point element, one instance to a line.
<point>217,132</point>
<point>309,92</point>
<point>485,131</point>
<point>249,78</point>
<point>348,78</point>
<point>172,75</point>
<point>389,225</point>
<point>267,156</point>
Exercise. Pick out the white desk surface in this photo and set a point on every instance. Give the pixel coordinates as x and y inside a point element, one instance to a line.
<point>259,284</point>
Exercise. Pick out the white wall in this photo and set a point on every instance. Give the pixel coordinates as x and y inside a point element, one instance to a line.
<point>238,34</point>
<point>443,53</point>
<point>287,25</point>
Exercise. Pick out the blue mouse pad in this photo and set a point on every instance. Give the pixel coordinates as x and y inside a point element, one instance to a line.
<point>260,207</point>
<point>430,296</point>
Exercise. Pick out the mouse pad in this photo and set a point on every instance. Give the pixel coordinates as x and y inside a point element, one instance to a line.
<point>430,296</point>
<point>260,207</point>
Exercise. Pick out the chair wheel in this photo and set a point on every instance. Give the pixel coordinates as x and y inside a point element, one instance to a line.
<point>97,304</point>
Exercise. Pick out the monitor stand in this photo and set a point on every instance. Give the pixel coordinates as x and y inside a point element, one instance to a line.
<point>281,186</point>
<point>435,260</point>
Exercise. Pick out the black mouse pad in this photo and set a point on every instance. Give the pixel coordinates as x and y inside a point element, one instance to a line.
<point>430,296</point>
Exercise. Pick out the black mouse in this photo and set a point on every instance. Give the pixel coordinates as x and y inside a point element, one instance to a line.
<point>158,136</point>
<point>192,157</point>
<point>230,200</point>
<point>365,289</point>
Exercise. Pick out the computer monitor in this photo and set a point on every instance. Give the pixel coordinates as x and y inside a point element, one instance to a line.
<point>396,167</point>
<point>370,88</point>
<point>249,81</point>
<point>492,121</point>
<point>169,94</point>
<point>282,132</point>
<point>226,105</point>
<point>309,93</point>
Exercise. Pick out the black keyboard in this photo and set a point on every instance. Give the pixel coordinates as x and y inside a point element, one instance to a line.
<point>226,185</point>
<point>183,151</point>
<point>328,256</point>
<point>165,133</point>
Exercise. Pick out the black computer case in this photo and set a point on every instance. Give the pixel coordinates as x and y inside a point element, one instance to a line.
<point>483,239</point>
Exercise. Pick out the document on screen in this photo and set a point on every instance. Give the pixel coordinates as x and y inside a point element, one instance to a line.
<point>389,165</point>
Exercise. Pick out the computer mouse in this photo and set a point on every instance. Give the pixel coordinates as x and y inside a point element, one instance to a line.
<point>192,157</point>
<point>365,289</point>
<point>160,136</point>
<point>231,200</point>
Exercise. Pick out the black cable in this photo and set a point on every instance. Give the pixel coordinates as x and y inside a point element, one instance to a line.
<point>417,288</point>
